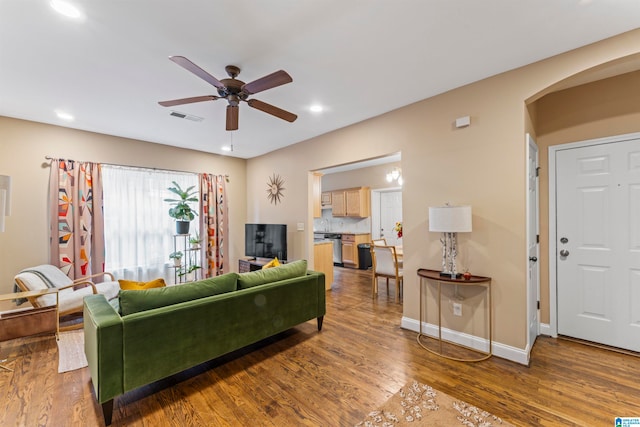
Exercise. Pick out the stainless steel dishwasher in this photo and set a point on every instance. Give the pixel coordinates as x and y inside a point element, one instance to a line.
<point>336,239</point>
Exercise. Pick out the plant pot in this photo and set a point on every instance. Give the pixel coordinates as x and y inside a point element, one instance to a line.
<point>177,262</point>
<point>182,227</point>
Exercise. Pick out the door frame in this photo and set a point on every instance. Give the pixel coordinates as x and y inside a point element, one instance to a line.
<point>553,236</point>
<point>375,208</point>
<point>533,222</point>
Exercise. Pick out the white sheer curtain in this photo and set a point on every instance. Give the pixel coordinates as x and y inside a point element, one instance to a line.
<point>137,227</point>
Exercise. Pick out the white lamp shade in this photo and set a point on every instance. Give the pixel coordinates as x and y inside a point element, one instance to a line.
<point>450,219</point>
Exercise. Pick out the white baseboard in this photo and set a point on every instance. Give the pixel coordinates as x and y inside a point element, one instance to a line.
<point>545,329</point>
<point>504,351</point>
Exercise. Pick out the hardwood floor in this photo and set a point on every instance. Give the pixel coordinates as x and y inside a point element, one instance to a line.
<point>331,378</point>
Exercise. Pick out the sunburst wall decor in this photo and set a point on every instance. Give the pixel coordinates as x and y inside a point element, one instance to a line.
<point>275,189</point>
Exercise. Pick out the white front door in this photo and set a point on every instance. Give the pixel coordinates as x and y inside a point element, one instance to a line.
<point>533,243</point>
<point>390,213</point>
<point>598,243</point>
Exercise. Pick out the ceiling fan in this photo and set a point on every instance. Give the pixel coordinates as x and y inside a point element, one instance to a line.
<point>234,91</point>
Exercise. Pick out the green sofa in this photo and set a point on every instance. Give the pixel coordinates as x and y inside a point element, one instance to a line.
<point>155,333</point>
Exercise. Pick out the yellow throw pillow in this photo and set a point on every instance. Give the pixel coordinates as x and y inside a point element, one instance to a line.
<point>132,285</point>
<point>273,263</point>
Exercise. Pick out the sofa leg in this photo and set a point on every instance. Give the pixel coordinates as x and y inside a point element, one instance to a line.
<point>107,412</point>
<point>320,319</point>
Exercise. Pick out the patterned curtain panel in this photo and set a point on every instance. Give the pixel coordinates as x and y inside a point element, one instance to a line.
<point>214,227</point>
<point>77,223</point>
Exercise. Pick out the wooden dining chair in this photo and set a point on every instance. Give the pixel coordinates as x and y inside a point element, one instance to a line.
<point>385,264</point>
<point>379,242</point>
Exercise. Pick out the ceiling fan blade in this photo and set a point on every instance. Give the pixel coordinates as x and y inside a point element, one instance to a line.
<point>191,100</point>
<point>190,66</point>
<point>270,109</point>
<point>232,117</point>
<point>267,82</point>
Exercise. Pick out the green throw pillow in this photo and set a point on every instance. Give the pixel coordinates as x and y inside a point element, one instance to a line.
<point>275,274</point>
<point>147,299</point>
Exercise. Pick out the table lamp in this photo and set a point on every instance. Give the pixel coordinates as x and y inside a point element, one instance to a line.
<point>449,220</point>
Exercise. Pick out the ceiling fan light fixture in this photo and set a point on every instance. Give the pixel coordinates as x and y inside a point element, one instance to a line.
<point>235,91</point>
<point>316,108</point>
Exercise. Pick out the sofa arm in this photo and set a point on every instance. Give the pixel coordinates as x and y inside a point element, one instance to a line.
<point>103,347</point>
<point>320,279</point>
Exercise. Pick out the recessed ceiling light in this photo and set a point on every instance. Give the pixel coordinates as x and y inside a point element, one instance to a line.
<point>65,8</point>
<point>316,108</point>
<point>63,115</point>
<point>226,148</point>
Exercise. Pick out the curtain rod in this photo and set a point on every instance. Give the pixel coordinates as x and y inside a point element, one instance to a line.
<point>130,166</point>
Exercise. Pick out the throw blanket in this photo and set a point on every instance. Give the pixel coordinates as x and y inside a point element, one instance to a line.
<point>41,271</point>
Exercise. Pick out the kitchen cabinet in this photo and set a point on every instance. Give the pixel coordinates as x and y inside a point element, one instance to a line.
<point>353,202</point>
<point>338,207</point>
<point>358,202</point>
<point>325,198</point>
<point>350,244</point>
<point>317,190</point>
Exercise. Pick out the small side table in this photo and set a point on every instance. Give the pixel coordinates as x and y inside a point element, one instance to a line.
<point>425,276</point>
<point>36,311</point>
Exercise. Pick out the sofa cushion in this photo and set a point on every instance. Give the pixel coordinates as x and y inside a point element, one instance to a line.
<point>132,285</point>
<point>275,274</point>
<point>147,299</point>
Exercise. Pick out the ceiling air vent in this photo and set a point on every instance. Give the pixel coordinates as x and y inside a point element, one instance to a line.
<point>186,116</point>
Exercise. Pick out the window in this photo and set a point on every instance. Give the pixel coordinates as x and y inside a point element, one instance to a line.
<point>138,229</point>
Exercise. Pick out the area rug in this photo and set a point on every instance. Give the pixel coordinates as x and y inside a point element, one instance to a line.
<point>71,351</point>
<point>418,404</point>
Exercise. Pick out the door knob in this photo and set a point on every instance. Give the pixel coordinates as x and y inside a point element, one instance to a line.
<point>564,253</point>
<point>564,240</point>
<point>533,258</point>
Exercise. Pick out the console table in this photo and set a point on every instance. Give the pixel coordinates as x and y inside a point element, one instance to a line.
<point>427,276</point>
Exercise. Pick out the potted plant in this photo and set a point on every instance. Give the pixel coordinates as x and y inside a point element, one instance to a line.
<point>180,209</point>
<point>177,258</point>
<point>190,272</point>
<point>195,241</point>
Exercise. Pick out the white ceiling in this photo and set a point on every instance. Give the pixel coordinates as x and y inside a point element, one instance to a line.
<point>358,58</point>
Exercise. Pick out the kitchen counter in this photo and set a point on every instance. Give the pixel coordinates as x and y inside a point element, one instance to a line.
<point>323,260</point>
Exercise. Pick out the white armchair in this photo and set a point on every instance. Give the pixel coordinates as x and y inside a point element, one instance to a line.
<point>70,292</point>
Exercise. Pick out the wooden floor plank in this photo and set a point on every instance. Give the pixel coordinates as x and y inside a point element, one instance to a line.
<point>333,377</point>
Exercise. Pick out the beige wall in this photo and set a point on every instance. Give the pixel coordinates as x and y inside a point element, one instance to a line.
<point>482,165</point>
<point>24,146</point>
<point>371,176</point>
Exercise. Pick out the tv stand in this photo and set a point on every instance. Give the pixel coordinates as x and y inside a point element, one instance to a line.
<point>252,264</point>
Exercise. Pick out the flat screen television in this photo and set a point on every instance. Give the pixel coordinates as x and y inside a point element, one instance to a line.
<point>265,241</point>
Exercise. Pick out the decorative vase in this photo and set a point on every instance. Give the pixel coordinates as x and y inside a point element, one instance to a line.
<point>182,227</point>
